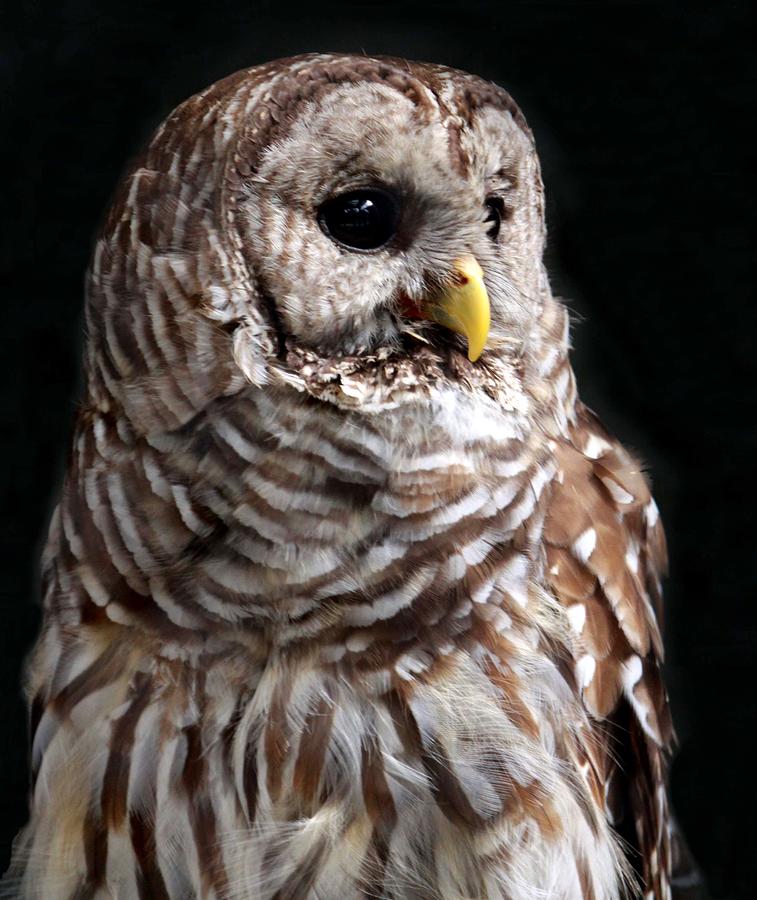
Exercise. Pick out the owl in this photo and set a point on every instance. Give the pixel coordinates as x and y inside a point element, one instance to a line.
<point>346,593</point>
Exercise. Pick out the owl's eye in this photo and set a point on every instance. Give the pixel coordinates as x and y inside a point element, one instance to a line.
<point>495,213</point>
<point>360,220</point>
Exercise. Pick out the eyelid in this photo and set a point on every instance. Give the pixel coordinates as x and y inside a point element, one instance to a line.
<point>348,183</point>
<point>501,182</point>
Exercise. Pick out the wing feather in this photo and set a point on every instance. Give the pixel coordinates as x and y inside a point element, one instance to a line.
<point>606,555</point>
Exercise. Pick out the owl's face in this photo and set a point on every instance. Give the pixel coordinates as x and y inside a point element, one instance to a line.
<point>306,221</point>
<point>365,207</point>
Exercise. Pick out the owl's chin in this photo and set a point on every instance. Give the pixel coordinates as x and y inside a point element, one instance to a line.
<point>412,368</point>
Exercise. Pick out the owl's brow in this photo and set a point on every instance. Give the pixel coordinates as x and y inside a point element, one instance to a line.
<point>289,90</point>
<point>423,84</point>
<point>458,110</point>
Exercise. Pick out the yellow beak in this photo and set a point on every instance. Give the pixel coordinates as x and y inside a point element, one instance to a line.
<point>463,305</point>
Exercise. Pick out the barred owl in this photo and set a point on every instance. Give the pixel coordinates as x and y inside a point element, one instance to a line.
<point>346,594</point>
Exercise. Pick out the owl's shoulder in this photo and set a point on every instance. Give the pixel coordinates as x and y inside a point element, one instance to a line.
<point>605,557</point>
<point>606,554</point>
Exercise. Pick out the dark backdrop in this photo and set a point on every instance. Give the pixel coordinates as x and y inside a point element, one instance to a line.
<point>641,114</point>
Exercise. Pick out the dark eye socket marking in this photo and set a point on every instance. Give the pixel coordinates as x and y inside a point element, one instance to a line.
<point>362,220</point>
<point>495,214</point>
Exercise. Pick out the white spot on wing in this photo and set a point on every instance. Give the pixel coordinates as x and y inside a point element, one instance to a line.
<point>632,670</point>
<point>631,673</point>
<point>595,446</point>
<point>584,545</point>
<point>619,494</point>
<point>577,617</point>
<point>585,669</point>
<point>632,559</point>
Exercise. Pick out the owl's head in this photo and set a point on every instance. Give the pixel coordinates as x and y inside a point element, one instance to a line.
<point>320,221</point>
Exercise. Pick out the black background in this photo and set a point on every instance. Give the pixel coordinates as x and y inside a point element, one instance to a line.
<point>641,112</point>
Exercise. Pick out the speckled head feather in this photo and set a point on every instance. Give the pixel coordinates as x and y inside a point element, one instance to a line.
<point>335,607</point>
<point>213,237</point>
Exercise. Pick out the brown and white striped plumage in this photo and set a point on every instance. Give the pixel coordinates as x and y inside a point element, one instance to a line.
<point>331,611</point>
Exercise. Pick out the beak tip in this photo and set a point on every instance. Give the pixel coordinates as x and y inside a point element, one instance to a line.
<point>474,353</point>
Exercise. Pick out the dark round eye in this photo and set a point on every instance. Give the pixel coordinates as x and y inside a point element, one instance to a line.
<point>495,212</point>
<point>360,220</point>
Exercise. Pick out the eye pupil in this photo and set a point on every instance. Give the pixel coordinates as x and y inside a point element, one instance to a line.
<point>360,220</point>
<point>495,213</point>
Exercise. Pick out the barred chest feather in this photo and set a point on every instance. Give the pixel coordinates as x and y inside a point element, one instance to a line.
<point>357,685</point>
